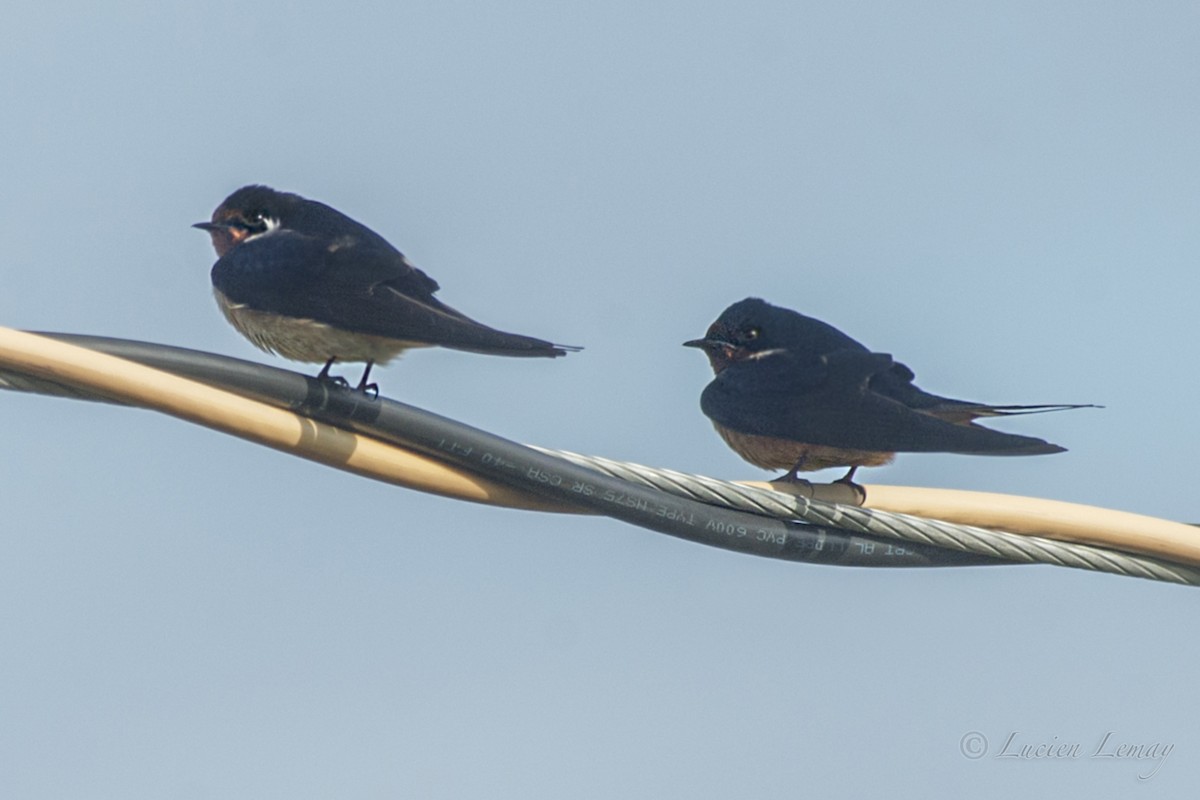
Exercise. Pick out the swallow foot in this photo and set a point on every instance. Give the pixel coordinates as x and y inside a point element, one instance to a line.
<point>791,477</point>
<point>848,480</point>
<point>334,380</point>
<point>323,375</point>
<point>371,389</point>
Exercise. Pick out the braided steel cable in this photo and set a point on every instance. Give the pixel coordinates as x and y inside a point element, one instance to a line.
<point>904,527</point>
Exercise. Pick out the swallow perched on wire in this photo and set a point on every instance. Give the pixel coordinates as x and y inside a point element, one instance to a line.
<point>792,392</point>
<point>302,280</point>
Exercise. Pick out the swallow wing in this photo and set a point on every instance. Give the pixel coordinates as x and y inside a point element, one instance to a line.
<point>353,285</point>
<point>275,272</point>
<point>830,401</point>
<point>396,300</point>
<point>897,384</point>
<point>359,254</point>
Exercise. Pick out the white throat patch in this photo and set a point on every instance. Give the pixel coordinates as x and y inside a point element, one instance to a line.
<point>774,351</point>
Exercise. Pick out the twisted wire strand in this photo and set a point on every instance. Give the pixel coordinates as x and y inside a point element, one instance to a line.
<point>904,527</point>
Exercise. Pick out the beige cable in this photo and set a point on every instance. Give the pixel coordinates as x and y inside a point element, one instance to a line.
<point>1054,519</point>
<point>248,419</point>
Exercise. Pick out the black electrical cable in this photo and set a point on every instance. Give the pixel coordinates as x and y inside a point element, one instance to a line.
<point>524,468</point>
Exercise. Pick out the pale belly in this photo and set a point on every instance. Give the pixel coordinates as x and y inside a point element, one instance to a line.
<point>771,453</point>
<point>308,340</point>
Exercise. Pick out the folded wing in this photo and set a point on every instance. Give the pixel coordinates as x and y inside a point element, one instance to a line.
<point>832,400</point>
<point>355,284</point>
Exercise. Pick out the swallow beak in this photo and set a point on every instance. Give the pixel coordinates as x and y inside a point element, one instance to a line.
<point>720,353</point>
<point>225,237</point>
<point>707,344</point>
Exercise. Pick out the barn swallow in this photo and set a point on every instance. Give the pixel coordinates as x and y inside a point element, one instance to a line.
<point>302,280</point>
<point>792,392</point>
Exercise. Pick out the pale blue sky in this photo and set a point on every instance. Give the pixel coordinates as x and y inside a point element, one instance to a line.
<point>1005,197</point>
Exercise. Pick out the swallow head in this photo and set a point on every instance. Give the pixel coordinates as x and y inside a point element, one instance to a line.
<point>248,213</point>
<point>741,333</point>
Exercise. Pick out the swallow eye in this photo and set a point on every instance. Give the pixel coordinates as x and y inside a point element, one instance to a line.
<point>256,221</point>
<point>752,334</point>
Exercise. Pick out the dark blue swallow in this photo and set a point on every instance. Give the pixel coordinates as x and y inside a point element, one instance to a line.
<point>305,281</point>
<point>792,392</point>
